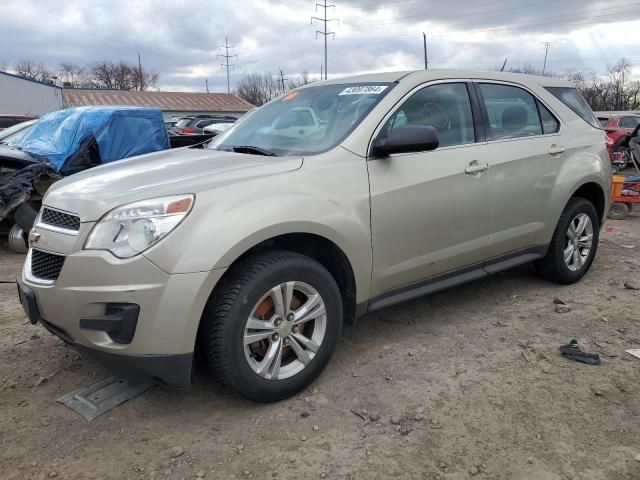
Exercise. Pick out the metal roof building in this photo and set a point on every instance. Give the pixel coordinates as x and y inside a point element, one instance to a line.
<point>172,104</point>
<point>22,96</point>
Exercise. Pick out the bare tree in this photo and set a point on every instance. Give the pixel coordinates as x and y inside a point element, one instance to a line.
<point>143,79</point>
<point>33,71</point>
<point>299,80</point>
<point>258,88</point>
<point>122,76</point>
<point>73,75</point>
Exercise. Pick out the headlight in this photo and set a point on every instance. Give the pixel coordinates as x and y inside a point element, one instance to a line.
<point>131,229</point>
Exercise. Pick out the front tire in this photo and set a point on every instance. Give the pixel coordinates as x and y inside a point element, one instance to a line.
<point>573,245</point>
<point>272,325</point>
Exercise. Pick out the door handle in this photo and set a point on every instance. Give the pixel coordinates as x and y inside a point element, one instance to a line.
<point>556,149</point>
<point>475,167</point>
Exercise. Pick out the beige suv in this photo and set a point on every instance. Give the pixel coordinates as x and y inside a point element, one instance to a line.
<point>334,200</point>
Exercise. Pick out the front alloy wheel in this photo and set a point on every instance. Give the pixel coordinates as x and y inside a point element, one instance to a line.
<point>285,330</point>
<point>271,325</point>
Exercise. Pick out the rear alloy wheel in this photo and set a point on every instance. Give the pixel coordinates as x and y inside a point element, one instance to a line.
<point>272,325</point>
<point>574,243</point>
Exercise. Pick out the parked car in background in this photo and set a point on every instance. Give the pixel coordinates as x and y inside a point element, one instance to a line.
<point>66,142</point>
<point>618,128</point>
<point>169,124</point>
<point>16,132</point>
<point>258,248</point>
<point>194,124</point>
<point>7,121</point>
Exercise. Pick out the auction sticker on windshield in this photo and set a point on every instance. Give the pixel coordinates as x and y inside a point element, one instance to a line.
<point>364,90</point>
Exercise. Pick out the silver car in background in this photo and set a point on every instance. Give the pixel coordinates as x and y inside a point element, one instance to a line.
<point>333,200</point>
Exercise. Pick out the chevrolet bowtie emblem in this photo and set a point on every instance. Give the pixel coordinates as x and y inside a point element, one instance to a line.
<point>33,236</point>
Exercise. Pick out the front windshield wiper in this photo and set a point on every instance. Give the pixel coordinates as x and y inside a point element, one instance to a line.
<point>252,149</point>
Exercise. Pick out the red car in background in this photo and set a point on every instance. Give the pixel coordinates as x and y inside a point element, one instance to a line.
<point>618,127</point>
<point>7,121</point>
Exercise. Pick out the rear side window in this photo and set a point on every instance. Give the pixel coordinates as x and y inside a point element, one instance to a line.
<point>629,122</point>
<point>512,111</point>
<point>572,98</point>
<point>549,123</point>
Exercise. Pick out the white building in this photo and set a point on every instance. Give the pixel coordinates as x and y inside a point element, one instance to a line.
<point>22,96</point>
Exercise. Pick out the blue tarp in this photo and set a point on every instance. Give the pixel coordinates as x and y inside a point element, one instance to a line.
<point>120,132</point>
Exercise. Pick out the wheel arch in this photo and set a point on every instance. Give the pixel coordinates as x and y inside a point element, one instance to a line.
<point>324,251</point>
<point>593,192</point>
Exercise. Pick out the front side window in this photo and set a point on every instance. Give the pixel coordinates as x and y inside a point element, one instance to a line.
<point>307,121</point>
<point>444,106</point>
<point>572,98</point>
<point>512,111</point>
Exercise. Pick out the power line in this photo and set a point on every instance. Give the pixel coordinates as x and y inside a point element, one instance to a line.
<point>325,21</point>
<point>226,57</point>
<point>498,27</point>
<point>465,13</point>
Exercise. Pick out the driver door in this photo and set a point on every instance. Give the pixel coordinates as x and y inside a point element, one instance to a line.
<point>431,211</point>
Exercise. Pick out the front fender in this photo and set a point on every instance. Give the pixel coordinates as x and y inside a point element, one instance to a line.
<point>229,221</point>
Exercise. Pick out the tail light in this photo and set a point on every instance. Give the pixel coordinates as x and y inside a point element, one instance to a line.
<point>188,130</point>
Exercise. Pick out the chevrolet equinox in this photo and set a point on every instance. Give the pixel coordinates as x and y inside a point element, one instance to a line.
<point>335,199</point>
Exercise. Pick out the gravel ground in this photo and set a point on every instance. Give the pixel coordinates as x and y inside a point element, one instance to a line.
<point>466,383</point>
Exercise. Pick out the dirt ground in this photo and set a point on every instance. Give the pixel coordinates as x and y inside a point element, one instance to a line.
<point>467,383</point>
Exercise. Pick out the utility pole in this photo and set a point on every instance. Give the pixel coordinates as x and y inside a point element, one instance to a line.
<point>282,79</point>
<point>424,39</point>
<point>140,73</point>
<point>226,57</point>
<point>206,84</point>
<point>325,34</point>
<point>546,50</point>
<point>504,64</point>
<point>320,71</point>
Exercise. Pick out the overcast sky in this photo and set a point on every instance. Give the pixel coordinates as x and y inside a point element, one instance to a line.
<point>180,39</point>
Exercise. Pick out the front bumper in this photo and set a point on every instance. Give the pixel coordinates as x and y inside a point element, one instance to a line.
<point>168,308</point>
<point>173,370</point>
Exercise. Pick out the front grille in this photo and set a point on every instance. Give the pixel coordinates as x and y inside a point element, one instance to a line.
<point>60,219</point>
<point>46,266</point>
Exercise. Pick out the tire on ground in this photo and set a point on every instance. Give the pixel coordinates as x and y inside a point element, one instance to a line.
<point>229,307</point>
<point>553,266</point>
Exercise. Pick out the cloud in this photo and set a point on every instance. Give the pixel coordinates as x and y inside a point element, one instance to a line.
<point>181,40</point>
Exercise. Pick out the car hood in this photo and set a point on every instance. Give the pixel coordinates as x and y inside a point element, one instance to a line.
<point>94,192</point>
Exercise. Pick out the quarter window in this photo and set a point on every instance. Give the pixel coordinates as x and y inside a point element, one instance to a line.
<point>445,106</point>
<point>512,111</point>
<point>549,123</point>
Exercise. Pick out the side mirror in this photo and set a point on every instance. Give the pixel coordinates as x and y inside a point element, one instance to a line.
<point>406,139</point>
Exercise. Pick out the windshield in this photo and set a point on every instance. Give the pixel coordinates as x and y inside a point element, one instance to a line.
<point>304,122</point>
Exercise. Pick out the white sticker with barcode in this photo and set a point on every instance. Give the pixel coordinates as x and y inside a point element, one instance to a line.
<point>364,90</point>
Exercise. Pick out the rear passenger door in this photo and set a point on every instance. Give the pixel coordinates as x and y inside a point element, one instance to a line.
<point>527,148</point>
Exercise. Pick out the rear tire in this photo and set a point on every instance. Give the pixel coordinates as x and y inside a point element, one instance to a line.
<point>255,335</point>
<point>573,245</point>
